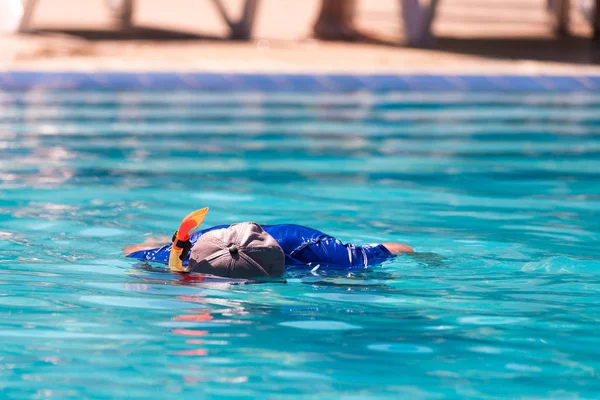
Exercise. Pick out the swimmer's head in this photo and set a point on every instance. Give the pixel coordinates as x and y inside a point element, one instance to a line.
<point>241,251</point>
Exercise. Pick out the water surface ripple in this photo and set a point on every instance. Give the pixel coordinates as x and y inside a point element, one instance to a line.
<point>504,187</point>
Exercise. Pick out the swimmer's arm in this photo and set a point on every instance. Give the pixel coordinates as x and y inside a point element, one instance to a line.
<point>148,244</point>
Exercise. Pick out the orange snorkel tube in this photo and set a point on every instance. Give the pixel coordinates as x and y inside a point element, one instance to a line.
<point>181,239</point>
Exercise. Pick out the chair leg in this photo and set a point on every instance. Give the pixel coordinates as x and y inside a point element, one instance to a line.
<point>28,8</point>
<point>417,22</point>
<point>123,12</point>
<point>126,15</point>
<point>242,29</point>
<point>596,21</point>
<point>223,12</point>
<point>560,12</point>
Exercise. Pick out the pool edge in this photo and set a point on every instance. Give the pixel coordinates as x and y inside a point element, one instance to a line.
<point>286,82</point>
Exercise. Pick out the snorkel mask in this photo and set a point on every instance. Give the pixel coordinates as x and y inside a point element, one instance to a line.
<point>181,239</point>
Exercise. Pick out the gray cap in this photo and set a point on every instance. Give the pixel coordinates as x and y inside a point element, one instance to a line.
<point>241,251</point>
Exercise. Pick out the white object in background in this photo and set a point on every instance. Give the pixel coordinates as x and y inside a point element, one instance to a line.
<point>587,9</point>
<point>418,18</point>
<point>11,12</point>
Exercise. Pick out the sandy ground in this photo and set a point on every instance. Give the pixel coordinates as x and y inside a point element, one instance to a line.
<point>474,36</point>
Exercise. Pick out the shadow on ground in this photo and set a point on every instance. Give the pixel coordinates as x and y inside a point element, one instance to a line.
<point>139,33</point>
<point>578,50</point>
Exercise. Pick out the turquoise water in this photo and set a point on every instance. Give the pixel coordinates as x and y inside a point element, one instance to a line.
<point>505,188</point>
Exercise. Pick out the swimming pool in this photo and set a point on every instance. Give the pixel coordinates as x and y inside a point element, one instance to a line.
<point>504,185</point>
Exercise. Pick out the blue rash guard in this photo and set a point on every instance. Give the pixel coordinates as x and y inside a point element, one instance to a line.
<point>302,247</point>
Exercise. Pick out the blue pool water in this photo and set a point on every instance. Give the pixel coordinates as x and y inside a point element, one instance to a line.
<point>504,187</point>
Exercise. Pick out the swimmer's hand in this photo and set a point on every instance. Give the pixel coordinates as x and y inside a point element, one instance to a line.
<point>398,248</point>
<point>148,244</point>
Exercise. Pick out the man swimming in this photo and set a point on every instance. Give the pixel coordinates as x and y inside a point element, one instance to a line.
<point>248,250</point>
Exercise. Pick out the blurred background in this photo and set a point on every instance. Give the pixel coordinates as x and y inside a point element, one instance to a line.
<point>386,35</point>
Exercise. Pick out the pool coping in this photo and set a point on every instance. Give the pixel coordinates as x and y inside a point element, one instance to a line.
<point>285,82</point>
